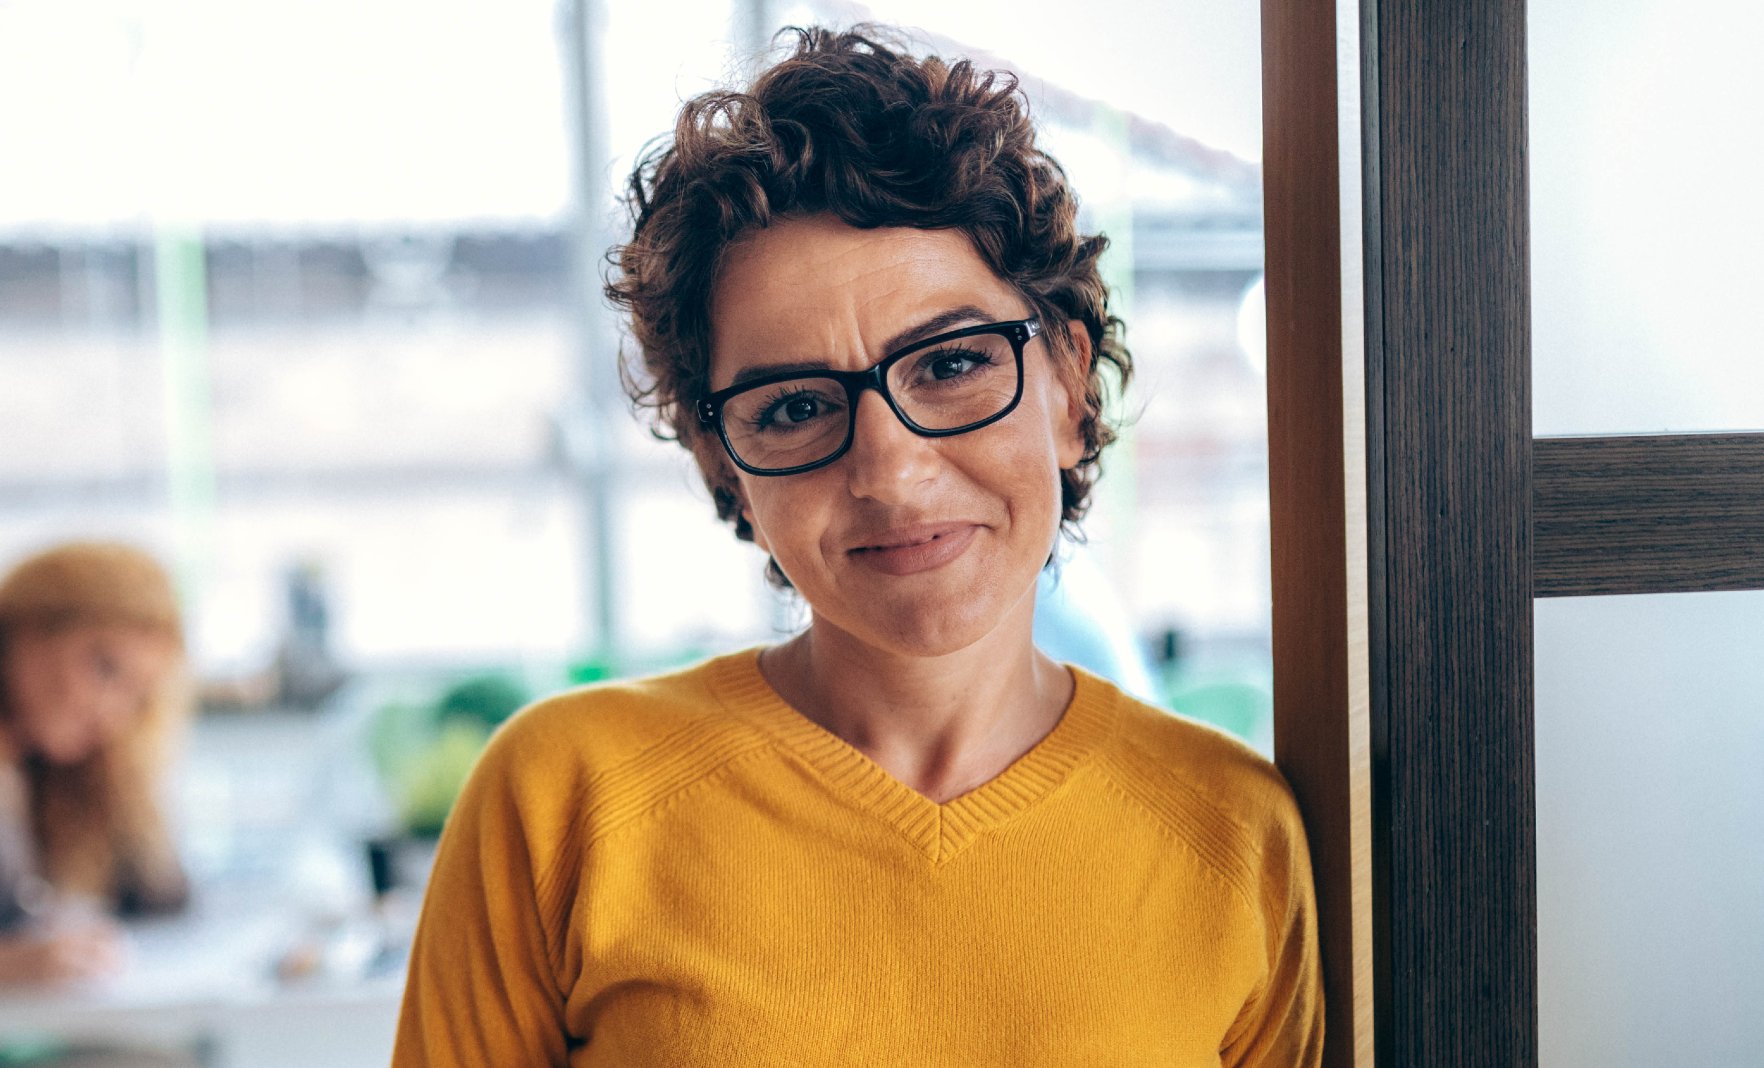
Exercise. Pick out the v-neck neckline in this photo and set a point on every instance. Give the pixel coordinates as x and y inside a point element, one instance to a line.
<point>939,830</point>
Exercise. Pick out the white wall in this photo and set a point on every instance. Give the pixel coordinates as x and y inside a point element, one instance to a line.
<point>1646,223</point>
<point>1646,237</point>
<point>1650,830</point>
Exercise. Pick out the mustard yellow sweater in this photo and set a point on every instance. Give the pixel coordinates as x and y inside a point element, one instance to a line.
<point>683,871</point>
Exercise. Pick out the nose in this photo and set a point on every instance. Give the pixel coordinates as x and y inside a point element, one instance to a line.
<point>886,462</point>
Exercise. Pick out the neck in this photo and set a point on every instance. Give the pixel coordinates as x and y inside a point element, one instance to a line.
<point>944,724</point>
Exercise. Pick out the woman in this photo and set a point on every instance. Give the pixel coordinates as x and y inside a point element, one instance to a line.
<point>90,650</point>
<point>904,836</point>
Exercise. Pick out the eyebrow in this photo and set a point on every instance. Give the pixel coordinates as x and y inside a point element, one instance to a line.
<point>958,316</point>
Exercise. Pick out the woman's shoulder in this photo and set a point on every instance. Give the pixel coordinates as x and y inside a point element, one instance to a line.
<point>1200,753</point>
<point>606,722</point>
<point>622,746</point>
<point>1201,783</point>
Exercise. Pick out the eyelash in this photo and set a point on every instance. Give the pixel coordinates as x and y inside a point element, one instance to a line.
<point>931,359</point>
<point>773,403</point>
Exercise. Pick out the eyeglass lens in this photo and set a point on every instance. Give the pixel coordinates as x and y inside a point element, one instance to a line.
<point>945,387</point>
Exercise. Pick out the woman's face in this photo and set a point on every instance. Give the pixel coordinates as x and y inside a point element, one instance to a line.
<point>74,690</point>
<point>916,545</point>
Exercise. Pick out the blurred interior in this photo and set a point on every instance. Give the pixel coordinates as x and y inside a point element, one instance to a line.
<point>304,300</point>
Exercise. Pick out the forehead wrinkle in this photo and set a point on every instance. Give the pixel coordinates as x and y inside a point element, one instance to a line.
<point>834,296</point>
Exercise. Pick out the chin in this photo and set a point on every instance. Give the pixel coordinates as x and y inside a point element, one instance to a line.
<point>65,742</point>
<point>66,754</point>
<point>936,625</point>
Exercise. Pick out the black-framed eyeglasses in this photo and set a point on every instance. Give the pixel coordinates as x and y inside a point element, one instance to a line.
<point>796,421</point>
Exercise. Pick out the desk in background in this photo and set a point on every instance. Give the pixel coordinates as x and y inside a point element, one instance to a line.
<point>207,981</point>
<point>272,809</point>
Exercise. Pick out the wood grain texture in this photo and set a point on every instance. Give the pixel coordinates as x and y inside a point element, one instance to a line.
<point>1446,200</point>
<point>1655,513</point>
<point>1317,484</point>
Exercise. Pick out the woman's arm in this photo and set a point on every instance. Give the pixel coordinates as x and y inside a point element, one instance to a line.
<point>1282,1024</point>
<point>483,987</point>
<point>59,953</point>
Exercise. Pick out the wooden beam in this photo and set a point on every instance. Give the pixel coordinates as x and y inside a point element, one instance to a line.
<point>1655,513</point>
<point>1448,285</point>
<point>1317,487</point>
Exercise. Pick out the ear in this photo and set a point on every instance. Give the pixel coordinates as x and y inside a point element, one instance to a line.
<point>1068,404</point>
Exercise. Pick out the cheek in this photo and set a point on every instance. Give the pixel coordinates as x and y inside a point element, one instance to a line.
<point>791,518</point>
<point>782,517</point>
<point>50,710</point>
<point>119,711</point>
<point>36,688</point>
<point>1036,498</point>
<point>760,508</point>
<point>1025,466</point>
<point>753,511</point>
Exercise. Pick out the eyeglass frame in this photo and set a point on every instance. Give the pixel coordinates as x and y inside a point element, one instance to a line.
<point>1019,332</point>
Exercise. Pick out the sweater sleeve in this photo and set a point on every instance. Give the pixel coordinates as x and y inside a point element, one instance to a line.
<point>1282,1023</point>
<point>483,988</point>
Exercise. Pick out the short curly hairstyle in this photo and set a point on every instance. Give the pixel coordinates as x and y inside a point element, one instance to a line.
<point>852,124</point>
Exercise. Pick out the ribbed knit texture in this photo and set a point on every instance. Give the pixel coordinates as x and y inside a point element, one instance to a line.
<point>684,871</point>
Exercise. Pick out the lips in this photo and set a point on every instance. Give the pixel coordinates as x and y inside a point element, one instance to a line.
<point>910,550</point>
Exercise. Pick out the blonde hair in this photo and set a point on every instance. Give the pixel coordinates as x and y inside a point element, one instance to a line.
<point>99,827</point>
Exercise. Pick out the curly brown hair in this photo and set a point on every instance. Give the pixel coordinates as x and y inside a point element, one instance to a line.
<point>850,123</point>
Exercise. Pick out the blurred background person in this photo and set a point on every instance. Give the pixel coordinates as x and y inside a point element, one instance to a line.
<point>91,692</point>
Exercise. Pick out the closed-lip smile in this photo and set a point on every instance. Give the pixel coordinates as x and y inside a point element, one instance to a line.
<point>910,549</point>
<point>905,537</point>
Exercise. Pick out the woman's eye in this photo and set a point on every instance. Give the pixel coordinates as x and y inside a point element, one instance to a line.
<point>954,364</point>
<point>792,410</point>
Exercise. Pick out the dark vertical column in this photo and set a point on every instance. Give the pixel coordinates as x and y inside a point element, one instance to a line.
<point>1448,362</point>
